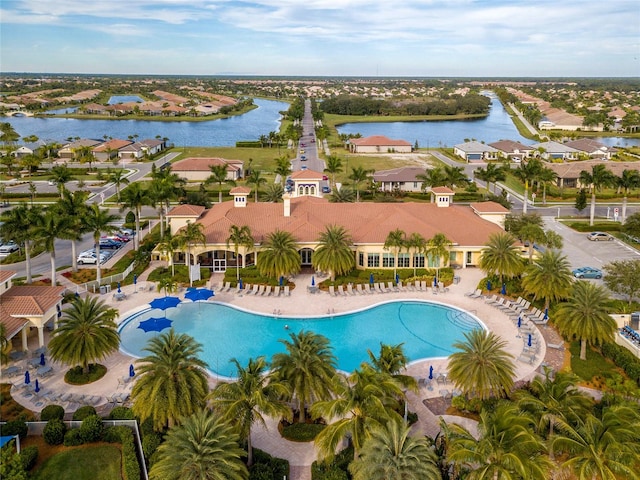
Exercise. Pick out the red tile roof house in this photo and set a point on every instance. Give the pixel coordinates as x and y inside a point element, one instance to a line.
<point>515,151</point>
<point>593,148</point>
<point>196,169</point>
<point>379,144</point>
<point>403,179</point>
<point>109,150</point>
<point>568,174</point>
<point>23,307</point>
<point>305,217</point>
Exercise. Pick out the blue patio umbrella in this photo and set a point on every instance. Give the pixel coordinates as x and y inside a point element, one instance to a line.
<point>135,279</point>
<point>397,278</point>
<point>164,302</point>
<point>27,378</point>
<point>546,314</point>
<point>281,280</point>
<point>430,372</point>
<point>529,340</point>
<point>240,284</point>
<point>371,278</point>
<point>155,324</point>
<point>42,362</point>
<point>37,388</point>
<point>199,294</point>
<point>119,291</point>
<point>132,372</point>
<point>489,286</point>
<point>504,289</point>
<point>313,281</point>
<point>435,282</point>
<point>519,322</point>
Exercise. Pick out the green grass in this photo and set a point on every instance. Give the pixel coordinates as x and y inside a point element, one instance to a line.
<point>594,366</point>
<point>302,432</point>
<point>83,463</point>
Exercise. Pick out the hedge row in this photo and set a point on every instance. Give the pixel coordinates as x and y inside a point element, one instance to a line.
<point>124,436</point>
<point>248,144</point>
<point>624,359</point>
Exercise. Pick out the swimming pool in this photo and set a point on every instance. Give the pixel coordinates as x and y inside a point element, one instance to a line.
<point>427,329</point>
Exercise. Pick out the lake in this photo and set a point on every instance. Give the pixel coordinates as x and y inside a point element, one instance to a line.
<point>266,118</point>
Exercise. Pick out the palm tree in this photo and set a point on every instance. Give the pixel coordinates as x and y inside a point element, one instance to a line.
<point>307,368</point>
<point>283,168</point>
<point>391,453</point>
<point>118,177</point>
<point>391,361</point>
<point>86,333</point>
<point>99,221</point>
<point>135,197</point>
<point>73,206</point>
<point>4,345</point>
<point>51,228</point>
<point>279,255</point>
<point>549,277</point>
<point>438,249</point>
<point>602,447</point>
<point>628,180</point>
<point>584,316</point>
<point>172,381</point>
<point>418,244</point>
<point>333,166</point>
<point>501,256</point>
<point>273,193</point>
<point>84,154</point>
<point>244,402</point>
<point>165,186</point>
<point>482,367</point>
<point>531,233</point>
<point>61,174</point>
<point>334,253</point>
<point>219,176</point>
<point>455,176</point>
<point>240,237</point>
<point>344,195</point>
<point>526,173</point>
<point>396,239</point>
<point>553,401</point>
<point>169,245</point>
<point>506,447</point>
<point>491,174</point>
<point>363,401</point>
<point>433,177</point>
<point>189,236</point>
<point>546,176</point>
<point>357,176</point>
<point>203,447</point>
<point>599,178</point>
<point>18,224</point>
<point>256,178</point>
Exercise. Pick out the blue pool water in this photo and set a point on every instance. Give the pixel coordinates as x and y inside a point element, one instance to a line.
<point>428,330</point>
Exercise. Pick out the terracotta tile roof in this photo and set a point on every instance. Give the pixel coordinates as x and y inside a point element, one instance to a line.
<point>368,223</point>
<point>306,175</point>
<point>403,174</point>
<point>26,301</point>
<point>442,190</point>
<point>186,211</point>
<point>195,164</point>
<point>509,146</point>
<point>114,144</point>
<point>488,207</point>
<point>239,190</point>
<point>6,275</point>
<point>573,169</point>
<point>589,145</point>
<point>376,140</point>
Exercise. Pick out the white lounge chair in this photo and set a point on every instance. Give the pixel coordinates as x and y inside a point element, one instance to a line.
<point>477,293</point>
<point>226,288</point>
<point>359,289</point>
<point>255,290</point>
<point>260,291</point>
<point>350,289</point>
<point>332,291</point>
<point>341,291</point>
<point>287,292</point>
<point>391,288</point>
<point>276,291</point>
<point>267,291</point>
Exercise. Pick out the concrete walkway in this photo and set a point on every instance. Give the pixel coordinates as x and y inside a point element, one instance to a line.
<point>300,302</point>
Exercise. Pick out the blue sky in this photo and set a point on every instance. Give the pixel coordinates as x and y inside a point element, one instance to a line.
<point>470,38</point>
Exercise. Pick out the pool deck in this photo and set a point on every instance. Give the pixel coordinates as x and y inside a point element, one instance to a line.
<point>300,302</point>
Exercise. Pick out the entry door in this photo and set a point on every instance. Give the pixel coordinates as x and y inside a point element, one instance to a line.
<point>219,265</point>
<point>305,256</point>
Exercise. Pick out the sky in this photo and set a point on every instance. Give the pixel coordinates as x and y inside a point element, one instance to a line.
<point>392,38</point>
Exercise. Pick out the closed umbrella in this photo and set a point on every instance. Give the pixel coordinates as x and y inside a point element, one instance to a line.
<point>132,372</point>
<point>281,280</point>
<point>546,314</point>
<point>519,322</point>
<point>529,340</point>
<point>489,286</point>
<point>135,282</point>
<point>504,289</point>
<point>313,281</point>
<point>119,291</point>
<point>37,388</point>
<point>42,362</point>
<point>240,284</point>
<point>371,278</point>
<point>27,378</point>
<point>430,372</point>
<point>435,282</point>
<point>397,278</point>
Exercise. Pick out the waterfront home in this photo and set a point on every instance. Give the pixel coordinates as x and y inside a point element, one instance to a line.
<point>514,151</point>
<point>403,179</point>
<point>568,174</point>
<point>592,148</point>
<point>195,169</point>
<point>378,144</point>
<point>474,151</point>
<point>551,151</point>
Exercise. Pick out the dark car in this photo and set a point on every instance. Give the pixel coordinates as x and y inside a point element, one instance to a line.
<point>303,158</point>
<point>109,244</point>
<point>326,189</point>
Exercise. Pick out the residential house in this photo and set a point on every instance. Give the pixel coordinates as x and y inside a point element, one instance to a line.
<point>514,151</point>
<point>592,148</point>
<point>474,151</point>
<point>132,152</point>
<point>551,151</point>
<point>378,144</point>
<point>110,149</point>
<point>403,179</point>
<point>196,169</point>
<point>568,174</point>
<point>153,145</point>
<point>69,150</point>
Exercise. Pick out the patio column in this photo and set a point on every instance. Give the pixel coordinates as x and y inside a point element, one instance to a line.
<point>25,343</point>
<point>40,336</point>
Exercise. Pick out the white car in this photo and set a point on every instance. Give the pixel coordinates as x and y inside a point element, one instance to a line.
<point>9,247</point>
<point>90,258</point>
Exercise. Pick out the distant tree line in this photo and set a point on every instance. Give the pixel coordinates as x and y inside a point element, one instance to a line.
<point>471,103</point>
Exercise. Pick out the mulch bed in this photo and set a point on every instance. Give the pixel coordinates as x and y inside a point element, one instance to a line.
<point>437,405</point>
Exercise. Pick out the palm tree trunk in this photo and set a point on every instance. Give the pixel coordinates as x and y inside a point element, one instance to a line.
<point>624,209</point>
<point>27,257</point>
<point>189,264</point>
<point>583,349</point>
<point>136,243</point>
<point>220,194</point>
<point>249,450</point>
<point>98,271</point>
<point>526,197</point>
<point>74,258</point>
<point>592,213</point>
<point>52,255</point>
<point>161,221</point>
<point>301,417</point>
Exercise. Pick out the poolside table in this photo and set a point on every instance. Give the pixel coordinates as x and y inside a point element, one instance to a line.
<point>44,371</point>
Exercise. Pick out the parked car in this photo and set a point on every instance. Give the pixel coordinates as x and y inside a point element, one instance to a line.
<point>303,167</point>
<point>324,177</point>
<point>116,238</point>
<point>90,258</point>
<point>9,247</point>
<point>109,244</point>
<point>303,158</point>
<point>587,272</point>
<point>127,231</point>
<point>326,189</point>
<point>599,236</point>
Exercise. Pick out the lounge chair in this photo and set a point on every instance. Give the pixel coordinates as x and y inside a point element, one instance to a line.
<point>260,291</point>
<point>527,358</point>
<point>445,393</point>
<point>267,291</point>
<point>434,289</point>
<point>400,287</point>
<point>376,287</point>
<point>276,291</point>
<point>421,285</point>
<point>332,291</point>
<point>557,346</point>
<point>492,299</point>
<point>255,290</point>
<point>350,289</point>
<point>359,289</point>
<point>226,288</point>
<point>12,371</point>
<point>367,288</point>
<point>341,291</point>
<point>475,294</point>
<point>391,288</point>
<point>411,287</point>
<point>286,291</point>
<point>442,288</point>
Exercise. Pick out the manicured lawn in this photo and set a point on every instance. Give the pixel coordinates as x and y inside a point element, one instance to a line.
<point>83,463</point>
<point>594,366</point>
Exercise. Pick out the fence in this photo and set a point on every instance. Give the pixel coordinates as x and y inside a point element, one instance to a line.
<point>94,285</point>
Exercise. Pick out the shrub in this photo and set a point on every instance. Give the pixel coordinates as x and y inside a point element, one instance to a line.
<point>29,457</point>
<point>83,412</point>
<point>75,376</point>
<point>54,431</point>
<point>266,467</point>
<point>73,438</point>
<point>121,413</point>
<point>124,435</point>
<point>150,443</point>
<point>50,412</point>
<point>302,432</point>
<point>15,427</point>
<point>334,470</point>
<point>91,429</point>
